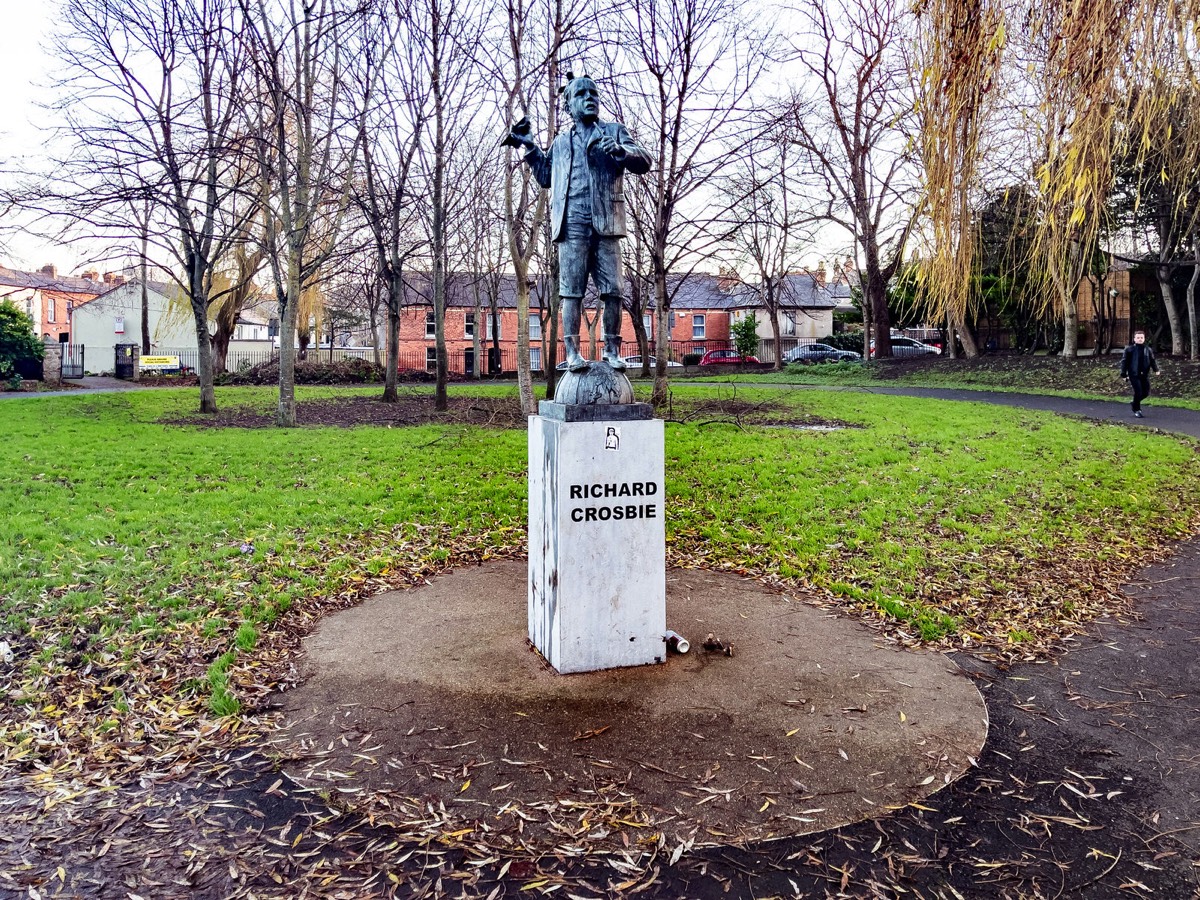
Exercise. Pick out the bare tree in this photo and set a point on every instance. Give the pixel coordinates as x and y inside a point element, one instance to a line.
<point>148,101</point>
<point>851,124</point>
<point>772,221</point>
<point>446,35</point>
<point>686,70</point>
<point>391,86</point>
<point>304,147</point>
<point>534,35</point>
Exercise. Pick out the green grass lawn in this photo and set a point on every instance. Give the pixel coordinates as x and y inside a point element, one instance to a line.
<point>150,570</point>
<point>1177,384</point>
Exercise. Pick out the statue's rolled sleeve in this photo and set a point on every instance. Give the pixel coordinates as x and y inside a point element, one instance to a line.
<point>637,159</point>
<point>539,162</point>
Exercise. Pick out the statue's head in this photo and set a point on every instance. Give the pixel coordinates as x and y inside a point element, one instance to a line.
<point>583,100</point>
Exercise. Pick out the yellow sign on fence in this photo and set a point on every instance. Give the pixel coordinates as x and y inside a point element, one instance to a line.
<point>159,362</point>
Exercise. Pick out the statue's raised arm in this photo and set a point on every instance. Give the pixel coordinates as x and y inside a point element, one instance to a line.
<point>583,170</point>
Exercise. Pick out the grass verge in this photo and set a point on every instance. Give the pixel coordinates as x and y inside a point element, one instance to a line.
<point>154,572</point>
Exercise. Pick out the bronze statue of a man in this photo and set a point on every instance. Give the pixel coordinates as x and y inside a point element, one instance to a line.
<point>583,170</point>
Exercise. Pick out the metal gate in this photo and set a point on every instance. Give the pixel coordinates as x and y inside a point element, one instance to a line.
<point>125,364</point>
<point>72,360</point>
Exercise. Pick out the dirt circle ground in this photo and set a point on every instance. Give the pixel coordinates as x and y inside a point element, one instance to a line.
<point>433,696</point>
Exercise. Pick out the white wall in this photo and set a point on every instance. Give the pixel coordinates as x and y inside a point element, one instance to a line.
<point>94,325</point>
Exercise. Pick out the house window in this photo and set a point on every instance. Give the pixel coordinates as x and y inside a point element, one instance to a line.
<point>431,358</point>
<point>430,325</point>
<point>789,324</point>
<point>698,327</point>
<point>469,325</point>
<point>273,328</point>
<point>670,320</point>
<point>535,329</point>
<point>499,328</point>
<point>535,359</point>
<point>29,307</point>
<point>50,310</point>
<point>646,325</point>
<point>119,325</point>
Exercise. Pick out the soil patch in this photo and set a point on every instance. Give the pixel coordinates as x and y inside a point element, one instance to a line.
<point>809,724</point>
<point>351,412</point>
<point>488,412</point>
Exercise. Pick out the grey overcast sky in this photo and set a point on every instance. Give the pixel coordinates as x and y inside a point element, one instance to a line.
<point>25,68</point>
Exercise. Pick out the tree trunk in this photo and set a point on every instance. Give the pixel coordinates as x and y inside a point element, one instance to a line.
<point>778,342</point>
<point>285,416</point>
<point>204,368</point>
<point>524,379</point>
<point>146,300</point>
<point>1163,273</point>
<point>395,287</point>
<point>662,339</point>
<point>1194,353</point>
<point>643,342</point>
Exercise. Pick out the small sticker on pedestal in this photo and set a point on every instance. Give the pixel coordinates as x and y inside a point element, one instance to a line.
<point>612,438</point>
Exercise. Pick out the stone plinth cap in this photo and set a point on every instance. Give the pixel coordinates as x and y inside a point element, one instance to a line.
<point>595,412</point>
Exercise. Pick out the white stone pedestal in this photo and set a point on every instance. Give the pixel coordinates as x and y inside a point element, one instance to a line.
<point>597,570</point>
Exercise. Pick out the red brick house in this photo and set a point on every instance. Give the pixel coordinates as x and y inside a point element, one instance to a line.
<point>700,316</point>
<point>49,297</point>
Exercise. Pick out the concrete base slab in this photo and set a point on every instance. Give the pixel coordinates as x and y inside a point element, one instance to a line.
<point>433,693</point>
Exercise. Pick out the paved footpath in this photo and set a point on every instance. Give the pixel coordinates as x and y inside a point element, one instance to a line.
<point>1166,418</point>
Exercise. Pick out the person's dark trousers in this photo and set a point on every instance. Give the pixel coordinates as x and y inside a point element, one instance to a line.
<point>1141,389</point>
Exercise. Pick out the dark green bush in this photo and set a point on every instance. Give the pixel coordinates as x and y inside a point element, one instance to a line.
<point>17,340</point>
<point>844,340</point>
<point>692,359</point>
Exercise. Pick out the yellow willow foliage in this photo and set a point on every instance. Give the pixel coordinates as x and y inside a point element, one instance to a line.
<point>960,45</point>
<point>1163,111</point>
<point>1082,84</point>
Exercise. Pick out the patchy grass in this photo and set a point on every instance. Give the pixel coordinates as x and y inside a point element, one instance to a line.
<point>152,571</point>
<point>1178,382</point>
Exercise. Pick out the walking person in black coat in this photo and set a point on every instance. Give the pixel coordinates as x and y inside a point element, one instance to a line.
<point>1136,364</point>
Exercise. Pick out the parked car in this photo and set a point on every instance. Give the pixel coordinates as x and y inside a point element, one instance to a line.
<point>821,353</point>
<point>636,361</point>
<point>903,346</point>
<point>726,358</point>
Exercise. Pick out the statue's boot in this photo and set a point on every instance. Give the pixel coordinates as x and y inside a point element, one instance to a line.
<point>575,362</point>
<point>612,352</point>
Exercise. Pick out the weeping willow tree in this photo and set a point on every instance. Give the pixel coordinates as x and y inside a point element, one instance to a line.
<point>1110,79</point>
<point>1162,156</point>
<point>959,47</point>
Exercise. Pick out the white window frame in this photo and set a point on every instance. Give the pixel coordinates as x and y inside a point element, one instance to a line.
<point>431,359</point>
<point>469,325</point>
<point>699,327</point>
<point>499,327</point>
<point>430,325</point>
<point>535,326</point>
<point>535,359</point>
<point>789,324</point>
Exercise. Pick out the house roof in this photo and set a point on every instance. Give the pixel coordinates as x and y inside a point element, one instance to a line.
<point>159,287</point>
<point>799,291</point>
<point>44,282</point>
<point>697,290</point>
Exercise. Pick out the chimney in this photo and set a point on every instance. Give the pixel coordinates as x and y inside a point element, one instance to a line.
<point>90,275</point>
<point>819,278</point>
<point>727,278</point>
<point>108,277</point>
<point>50,271</point>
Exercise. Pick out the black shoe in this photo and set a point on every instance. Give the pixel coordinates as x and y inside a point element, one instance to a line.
<point>1137,414</point>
